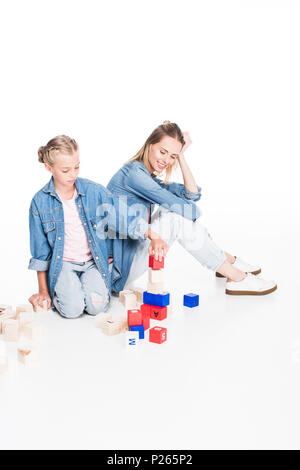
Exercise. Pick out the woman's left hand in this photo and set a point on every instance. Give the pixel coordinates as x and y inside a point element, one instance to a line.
<point>187,140</point>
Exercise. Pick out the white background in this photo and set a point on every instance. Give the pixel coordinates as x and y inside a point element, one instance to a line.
<point>107,73</point>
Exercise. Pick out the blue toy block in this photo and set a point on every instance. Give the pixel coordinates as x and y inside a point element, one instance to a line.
<point>140,329</point>
<point>160,300</point>
<point>191,300</point>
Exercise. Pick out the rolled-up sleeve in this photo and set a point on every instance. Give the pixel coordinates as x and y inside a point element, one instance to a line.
<point>180,190</point>
<point>39,247</point>
<point>172,196</point>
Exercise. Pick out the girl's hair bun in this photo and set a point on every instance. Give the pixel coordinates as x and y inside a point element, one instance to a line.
<point>166,122</point>
<point>41,154</point>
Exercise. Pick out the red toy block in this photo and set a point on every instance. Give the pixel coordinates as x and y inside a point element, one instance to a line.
<point>145,309</point>
<point>155,263</point>
<point>134,317</point>
<point>158,335</point>
<point>158,313</point>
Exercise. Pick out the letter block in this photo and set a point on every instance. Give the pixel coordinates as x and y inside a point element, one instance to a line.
<point>139,329</point>
<point>134,317</point>
<point>27,356</point>
<point>132,340</point>
<point>155,287</point>
<point>111,327</point>
<point>191,300</point>
<point>158,335</point>
<point>101,318</point>
<point>161,300</point>
<point>158,313</point>
<point>130,301</point>
<point>155,263</point>
<point>32,330</point>
<point>10,330</point>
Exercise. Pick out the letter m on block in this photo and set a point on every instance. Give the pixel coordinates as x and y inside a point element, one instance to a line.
<point>132,341</point>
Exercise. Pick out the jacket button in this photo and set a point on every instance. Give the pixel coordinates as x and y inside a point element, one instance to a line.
<point>58,257</point>
<point>97,257</point>
<point>59,238</point>
<point>54,274</point>
<point>84,223</point>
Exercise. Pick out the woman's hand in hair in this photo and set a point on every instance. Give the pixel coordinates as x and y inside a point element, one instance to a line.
<point>188,142</point>
<point>158,247</point>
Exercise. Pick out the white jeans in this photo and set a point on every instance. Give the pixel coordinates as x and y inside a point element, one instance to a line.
<point>191,235</point>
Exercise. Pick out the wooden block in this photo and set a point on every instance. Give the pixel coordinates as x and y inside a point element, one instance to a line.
<point>155,288</point>
<point>130,301</point>
<point>101,318</point>
<point>32,330</point>
<point>10,330</point>
<point>132,340</point>
<point>138,291</point>
<point>25,317</point>
<point>23,308</point>
<point>122,295</point>
<point>111,327</point>
<point>44,308</point>
<point>155,275</point>
<point>123,323</point>
<point>3,364</point>
<point>27,356</point>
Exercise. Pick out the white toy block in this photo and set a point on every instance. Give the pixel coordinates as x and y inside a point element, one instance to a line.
<point>23,308</point>
<point>10,330</point>
<point>155,288</point>
<point>44,308</point>
<point>25,317</point>
<point>130,301</point>
<point>32,330</point>
<point>101,318</point>
<point>155,275</point>
<point>138,291</point>
<point>122,295</point>
<point>3,364</point>
<point>132,340</point>
<point>111,327</point>
<point>27,356</point>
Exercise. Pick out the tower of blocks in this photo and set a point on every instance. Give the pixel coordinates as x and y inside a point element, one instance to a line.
<point>154,305</point>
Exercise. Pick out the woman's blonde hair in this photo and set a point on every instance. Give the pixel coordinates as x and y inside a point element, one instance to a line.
<point>166,128</point>
<point>59,144</point>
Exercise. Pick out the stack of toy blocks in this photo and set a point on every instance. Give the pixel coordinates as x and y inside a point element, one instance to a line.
<point>156,300</point>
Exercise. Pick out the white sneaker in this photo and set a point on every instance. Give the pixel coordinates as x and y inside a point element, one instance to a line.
<point>251,285</point>
<point>243,266</point>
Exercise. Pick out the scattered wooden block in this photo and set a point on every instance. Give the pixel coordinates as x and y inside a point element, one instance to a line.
<point>130,301</point>
<point>101,318</point>
<point>155,288</point>
<point>27,356</point>
<point>123,323</point>
<point>138,291</point>
<point>23,308</point>
<point>44,308</point>
<point>155,275</point>
<point>122,295</point>
<point>111,327</point>
<point>132,340</point>
<point>10,330</point>
<point>32,330</point>
<point>25,317</point>
<point>157,335</point>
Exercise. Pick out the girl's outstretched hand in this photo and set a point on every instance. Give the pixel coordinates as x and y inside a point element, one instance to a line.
<point>36,300</point>
<point>158,247</point>
<point>187,140</point>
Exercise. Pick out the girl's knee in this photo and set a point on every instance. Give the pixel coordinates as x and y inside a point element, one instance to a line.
<point>69,308</point>
<point>97,303</point>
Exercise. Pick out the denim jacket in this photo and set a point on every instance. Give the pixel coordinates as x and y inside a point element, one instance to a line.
<point>46,223</point>
<point>134,183</point>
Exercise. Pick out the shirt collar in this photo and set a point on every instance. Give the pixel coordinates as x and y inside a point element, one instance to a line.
<point>50,188</point>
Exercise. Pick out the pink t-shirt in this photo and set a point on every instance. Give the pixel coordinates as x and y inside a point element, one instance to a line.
<point>76,247</point>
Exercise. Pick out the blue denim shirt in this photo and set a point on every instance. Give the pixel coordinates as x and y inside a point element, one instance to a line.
<point>134,183</point>
<point>46,223</point>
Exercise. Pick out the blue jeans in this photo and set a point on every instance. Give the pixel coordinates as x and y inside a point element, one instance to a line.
<point>80,287</point>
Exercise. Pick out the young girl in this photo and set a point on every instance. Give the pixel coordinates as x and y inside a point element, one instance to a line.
<point>177,217</point>
<point>69,218</point>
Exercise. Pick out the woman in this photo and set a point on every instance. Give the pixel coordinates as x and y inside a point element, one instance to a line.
<point>177,217</point>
